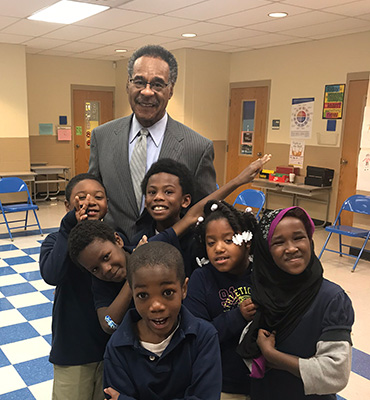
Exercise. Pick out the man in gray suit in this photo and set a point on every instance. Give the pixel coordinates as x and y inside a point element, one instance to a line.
<point>152,73</point>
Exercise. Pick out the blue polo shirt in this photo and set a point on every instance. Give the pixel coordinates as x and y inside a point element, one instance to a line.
<point>189,368</point>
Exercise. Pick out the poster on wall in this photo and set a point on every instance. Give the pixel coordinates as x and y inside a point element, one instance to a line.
<point>296,153</point>
<point>301,118</point>
<point>365,132</point>
<point>333,101</point>
<point>363,170</point>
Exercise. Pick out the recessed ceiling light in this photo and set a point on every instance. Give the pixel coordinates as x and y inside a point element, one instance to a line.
<point>278,14</point>
<point>67,12</point>
<point>120,50</point>
<point>188,35</point>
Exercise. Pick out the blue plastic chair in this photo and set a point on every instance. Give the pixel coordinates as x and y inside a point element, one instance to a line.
<point>17,185</point>
<point>251,198</point>
<point>356,204</point>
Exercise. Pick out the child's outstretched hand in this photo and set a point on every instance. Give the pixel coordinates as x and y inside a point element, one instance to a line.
<point>250,172</point>
<point>248,309</point>
<point>112,393</point>
<point>81,207</point>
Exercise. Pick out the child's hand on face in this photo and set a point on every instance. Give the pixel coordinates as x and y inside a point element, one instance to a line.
<point>248,309</point>
<point>112,393</point>
<point>81,207</point>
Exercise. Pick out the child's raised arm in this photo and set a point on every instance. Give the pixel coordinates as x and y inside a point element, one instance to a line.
<point>246,176</point>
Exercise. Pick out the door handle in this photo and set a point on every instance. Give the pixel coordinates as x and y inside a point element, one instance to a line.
<point>259,154</point>
<point>77,146</point>
<point>343,161</point>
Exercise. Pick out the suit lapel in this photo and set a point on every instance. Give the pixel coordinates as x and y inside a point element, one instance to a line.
<point>121,159</point>
<point>173,141</point>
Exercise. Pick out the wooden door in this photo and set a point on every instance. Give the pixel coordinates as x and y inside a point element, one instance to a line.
<point>91,108</point>
<point>356,101</point>
<point>247,130</point>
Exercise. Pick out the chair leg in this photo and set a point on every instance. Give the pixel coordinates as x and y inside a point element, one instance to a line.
<point>360,253</point>
<point>326,242</point>
<point>8,227</point>
<point>38,223</point>
<point>340,246</point>
<point>25,221</point>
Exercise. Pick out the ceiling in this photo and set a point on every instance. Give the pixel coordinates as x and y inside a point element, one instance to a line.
<point>220,25</point>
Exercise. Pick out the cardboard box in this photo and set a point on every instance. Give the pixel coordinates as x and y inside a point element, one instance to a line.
<point>265,173</point>
<point>287,169</point>
<point>277,177</point>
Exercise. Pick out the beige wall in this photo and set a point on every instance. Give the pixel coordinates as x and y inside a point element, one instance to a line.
<point>14,148</point>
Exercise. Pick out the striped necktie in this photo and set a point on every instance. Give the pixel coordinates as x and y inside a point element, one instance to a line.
<point>138,164</point>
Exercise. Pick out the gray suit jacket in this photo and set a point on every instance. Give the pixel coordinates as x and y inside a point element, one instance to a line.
<point>110,162</point>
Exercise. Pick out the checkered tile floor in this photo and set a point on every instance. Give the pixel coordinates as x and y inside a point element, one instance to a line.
<point>26,303</point>
<point>25,320</point>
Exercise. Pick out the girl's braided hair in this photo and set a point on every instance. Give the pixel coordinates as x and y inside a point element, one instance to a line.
<point>238,220</point>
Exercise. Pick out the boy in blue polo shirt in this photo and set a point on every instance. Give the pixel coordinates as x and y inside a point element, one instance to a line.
<point>160,350</point>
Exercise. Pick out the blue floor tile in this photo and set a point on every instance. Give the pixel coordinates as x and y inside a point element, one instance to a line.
<point>19,260</point>
<point>32,250</point>
<point>340,398</point>
<point>7,271</point>
<point>49,294</point>
<point>19,288</point>
<point>5,304</point>
<point>361,363</point>
<point>23,394</point>
<point>48,338</point>
<point>27,233</point>
<point>37,311</point>
<point>15,333</point>
<point>8,247</point>
<point>3,360</point>
<point>32,275</point>
<point>35,371</point>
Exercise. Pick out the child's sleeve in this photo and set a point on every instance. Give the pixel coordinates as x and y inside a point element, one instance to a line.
<point>198,302</point>
<point>54,258</point>
<point>328,370</point>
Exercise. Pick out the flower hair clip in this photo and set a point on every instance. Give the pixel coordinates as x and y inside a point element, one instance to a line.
<point>201,261</point>
<point>239,238</point>
<point>200,220</point>
<point>214,207</point>
<point>248,210</point>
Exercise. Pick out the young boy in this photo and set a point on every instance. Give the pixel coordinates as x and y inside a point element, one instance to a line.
<point>168,190</point>
<point>99,250</point>
<point>161,351</point>
<point>78,342</point>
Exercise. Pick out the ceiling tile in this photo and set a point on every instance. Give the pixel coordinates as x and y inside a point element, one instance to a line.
<point>158,6</point>
<point>72,32</point>
<point>296,21</point>
<point>231,34</point>
<point>330,27</point>
<point>31,28</point>
<point>13,39</point>
<point>43,43</point>
<point>186,44</point>
<point>207,10</point>
<point>111,37</point>
<point>156,24</point>
<point>23,8</point>
<point>346,32</point>
<point>315,4</point>
<point>114,18</point>
<point>269,39</point>
<point>6,21</point>
<point>79,46</point>
<point>256,15</point>
<point>200,28</point>
<point>217,47</point>
<point>56,53</point>
<point>352,9</point>
<point>144,40</point>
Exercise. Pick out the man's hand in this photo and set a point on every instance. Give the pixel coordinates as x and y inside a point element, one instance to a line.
<point>112,393</point>
<point>247,309</point>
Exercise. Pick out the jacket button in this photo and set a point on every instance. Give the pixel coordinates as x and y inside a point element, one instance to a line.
<point>151,358</point>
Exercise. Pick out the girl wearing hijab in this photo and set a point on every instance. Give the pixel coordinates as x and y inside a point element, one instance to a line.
<point>300,338</point>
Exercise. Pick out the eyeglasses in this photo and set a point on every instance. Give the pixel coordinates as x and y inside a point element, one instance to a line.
<point>156,86</point>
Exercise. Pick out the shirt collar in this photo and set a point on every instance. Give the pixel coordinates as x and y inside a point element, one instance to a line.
<point>156,131</point>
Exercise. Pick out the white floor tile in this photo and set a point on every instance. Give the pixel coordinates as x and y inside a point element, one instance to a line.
<point>12,253</point>
<point>11,317</point>
<point>41,285</point>
<point>10,380</point>
<point>3,263</point>
<point>27,299</point>
<point>42,325</point>
<point>11,279</point>
<point>26,350</point>
<point>28,267</point>
<point>42,391</point>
